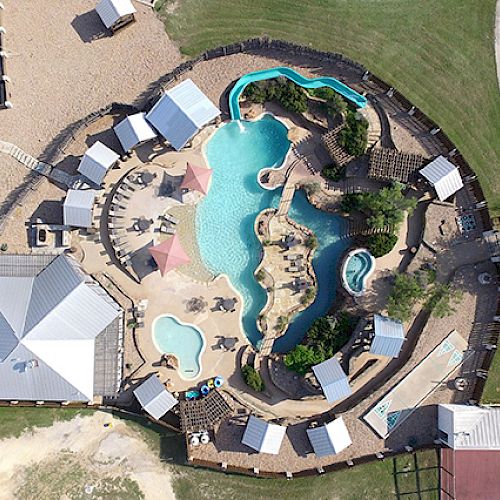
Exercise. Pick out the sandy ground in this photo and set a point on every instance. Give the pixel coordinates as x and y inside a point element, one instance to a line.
<point>82,453</point>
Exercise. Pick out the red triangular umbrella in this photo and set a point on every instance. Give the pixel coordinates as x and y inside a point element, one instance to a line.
<point>197,178</point>
<point>169,255</point>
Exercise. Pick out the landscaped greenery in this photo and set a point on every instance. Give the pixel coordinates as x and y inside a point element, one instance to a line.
<point>289,95</point>
<point>335,104</point>
<point>252,378</point>
<point>354,135</point>
<point>406,292</point>
<point>441,300</point>
<point>381,244</point>
<point>326,336</point>
<point>333,172</point>
<point>491,393</point>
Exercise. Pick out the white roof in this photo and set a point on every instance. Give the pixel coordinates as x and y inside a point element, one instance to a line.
<point>263,436</point>
<point>96,162</point>
<point>154,398</point>
<point>389,336</point>
<point>55,317</point>
<point>444,176</point>
<point>181,112</point>
<point>332,379</point>
<point>329,439</point>
<point>471,427</point>
<point>77,208</point>
<point>133,130</point>
<point>110,11</point>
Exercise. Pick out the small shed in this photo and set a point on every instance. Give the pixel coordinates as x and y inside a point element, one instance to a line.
<point>263,436</point>
<point>96,162</point>
<point>332,379</point>
<point>389,336</point>
<point>78,208</point>
<point>154,398</point>
<point>181,112</point>
<point>329,439</point>
<point>134,130</point>
<point>443,176</point>
<point>115,14</point>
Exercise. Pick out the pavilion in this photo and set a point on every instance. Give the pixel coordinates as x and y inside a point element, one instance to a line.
<point>77,208</point>
<point>115,14</point>
<point>197,178</point>
<point>263,436</point>
<point>389,336</point>
<point>332,379</point>
<point>443,176</point>
<point>329,439</point>
<point>169,254</point>
<point>154,398</point>
<point>96,162</point>
<point>134,130</point>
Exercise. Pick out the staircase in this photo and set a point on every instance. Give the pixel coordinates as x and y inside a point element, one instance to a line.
<point>26,159</point>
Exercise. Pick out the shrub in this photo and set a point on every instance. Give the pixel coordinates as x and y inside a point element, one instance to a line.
<point>287,93</point>
<point>3,247</point>
<point>354,135</point>
<point>406,292</point>
<point>311,188</point>
<point>312,242</point>
<point>440,300</point>
<point>333,172</point>
<point>281,323</point>
<point>381,244</point>
<point>335,104</point>
<point>301,358</point>
<point>308,296</point>
<point>252,378</point>
<point>260,275</point>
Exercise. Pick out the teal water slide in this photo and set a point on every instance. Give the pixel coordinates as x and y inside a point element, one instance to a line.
<point>308,83</point>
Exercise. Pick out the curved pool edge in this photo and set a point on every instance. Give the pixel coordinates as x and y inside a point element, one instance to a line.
<point>345,284</point>
<point>183,323</point>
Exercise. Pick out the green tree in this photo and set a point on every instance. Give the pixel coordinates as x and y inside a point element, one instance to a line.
<point>406,292</point>
<point>441,300</point>
<point>354,135</point>
<point>381,244</point>
<point>301,358</point>
<point>252,378</point>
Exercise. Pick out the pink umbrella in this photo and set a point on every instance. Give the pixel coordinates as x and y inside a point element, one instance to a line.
<point>169,255</point>
<point>197,178</point>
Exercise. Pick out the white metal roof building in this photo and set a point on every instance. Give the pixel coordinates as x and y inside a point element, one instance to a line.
<point>78,207</point>
<point>181,112</point>
<point>96,162</point>
<point>332,379</point>
<point>469,427</point>
<point>329,439</point>
<point>134,130</point>
<point>263,436</point>
<point>389,336</point>
<point>112,11</point>
<point>443,176</point>
<point>154,398</point>
<point>50,318</point>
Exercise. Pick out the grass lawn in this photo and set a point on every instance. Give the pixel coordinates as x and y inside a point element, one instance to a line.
<point>13,421</point>
<point>491,393</point>
<point>440,55</point>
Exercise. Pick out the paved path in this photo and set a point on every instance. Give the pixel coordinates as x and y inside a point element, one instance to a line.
<point>497,40</point>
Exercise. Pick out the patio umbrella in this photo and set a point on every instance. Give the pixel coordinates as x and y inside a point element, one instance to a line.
<point>169,255</point>
<point>197,178</point>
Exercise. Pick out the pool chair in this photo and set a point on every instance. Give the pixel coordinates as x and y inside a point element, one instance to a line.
<point>164,228</point>
<point>170,218</point>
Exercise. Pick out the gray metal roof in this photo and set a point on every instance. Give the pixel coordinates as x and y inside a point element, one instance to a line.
<point>181,112</point>
<point>56,316</point>
<point>330,438</point>
<point>154,398</point>
<point>134,130</point>
<point>8,339</point>
<point>332,379</point>
<point>389,336</point>
<point>263,436</point>
<point>110,11</point>
<point>77,208</point>
<point>443,176</point>
<point>96,161</point>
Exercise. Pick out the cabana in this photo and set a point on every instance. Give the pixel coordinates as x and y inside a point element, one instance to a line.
<point>96,162</point>
<point>169,254</point>
<point>197,178</point>
<point>329,439</point>
<point>77,208</point>
<point>181,112</point>
<point>332,379</point>
<point>134,130</point>
<point>443,176</point>
<point>154,398</point>
<point>263,436</point>
<point>115,14</point>
<point>389,336</point>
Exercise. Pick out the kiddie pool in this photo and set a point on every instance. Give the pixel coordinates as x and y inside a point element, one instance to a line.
<point>358,265</point>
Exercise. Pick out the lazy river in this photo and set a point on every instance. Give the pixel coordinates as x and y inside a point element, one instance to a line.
<point>225,221</point>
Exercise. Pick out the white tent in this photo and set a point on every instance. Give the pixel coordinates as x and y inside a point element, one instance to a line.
<point>111,11</point>
<point>134,130</point>
<point>443,176</point>
<point>330,438</point>
<point>263,436</point>
<point>181,112</point>
<point>154,398</point>
<point>332,379</point>
<point>77,208</point>
<point>96,162</point>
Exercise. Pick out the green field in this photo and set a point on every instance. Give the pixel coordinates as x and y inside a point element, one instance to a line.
<point>491,393</point>
<point>439,54</point>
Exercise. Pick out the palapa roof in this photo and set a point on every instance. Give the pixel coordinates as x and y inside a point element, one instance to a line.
<point>197,178</point>
<point>169,254</point>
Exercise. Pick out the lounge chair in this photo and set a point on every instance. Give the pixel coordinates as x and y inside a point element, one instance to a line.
<point>170,218</point>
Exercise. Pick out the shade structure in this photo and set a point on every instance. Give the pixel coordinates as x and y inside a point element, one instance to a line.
<point>154,398</point>
<point>96,162</point>
<point>443,176</point>
<point>329,439</point>
<point>332,379</point>
<point>388,338</point>
<point>111,11</point>
<point>169,255</point>
<point>134,130</point>
<point>197,178</point>
<point>77,208</point>
<point>263,436</point>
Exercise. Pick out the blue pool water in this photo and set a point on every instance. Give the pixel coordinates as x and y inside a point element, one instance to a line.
<point>225,221</point>
<point>357,268</point>
<point>184,341</point>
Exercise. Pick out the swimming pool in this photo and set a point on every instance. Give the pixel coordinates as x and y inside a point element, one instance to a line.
<point>186,342</point>
<point>225,221</point>
<point>358,266</point>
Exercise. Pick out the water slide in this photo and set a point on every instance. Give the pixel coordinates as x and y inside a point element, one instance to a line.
<point>308,83</point>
